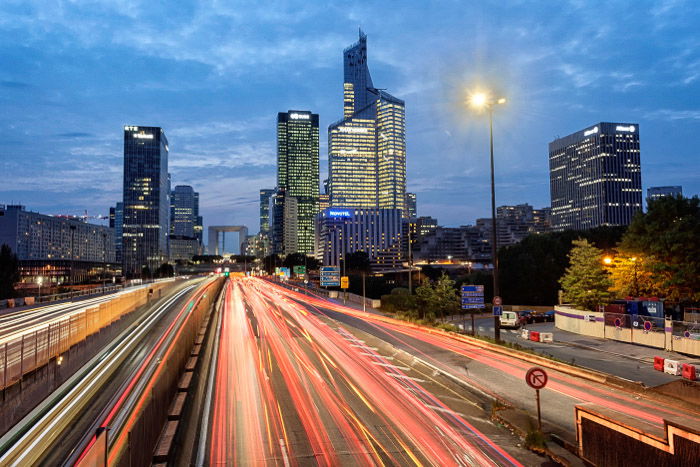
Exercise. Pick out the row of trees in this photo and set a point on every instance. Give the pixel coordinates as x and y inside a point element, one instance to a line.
<point>433,299</point>
<point>658,255</point>
<point>9,272</point>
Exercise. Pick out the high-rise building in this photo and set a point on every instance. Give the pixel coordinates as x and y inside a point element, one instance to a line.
<point>298,169</point>
<point>595,177</point>
<point>367,148</point>
<point>199,222</point>
<point>284,227</point>
<point>57,249</point>
<point>375,231</point>
<point>116,220</point>
<point>184,223</point>
<point>411,205</point>
<point>146,199</point>
<point>656,192</point>
<point>265,195</point>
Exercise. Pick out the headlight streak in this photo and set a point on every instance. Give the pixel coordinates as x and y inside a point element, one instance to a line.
<point>575,388</point>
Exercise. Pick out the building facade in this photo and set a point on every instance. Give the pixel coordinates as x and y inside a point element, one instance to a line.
<point>185,224</point>
<point>60,250</point>
<point>146,199</point>
<point>284,227</point>
<point>411,205</point>
<point>367,148</point>
<point>265,195</point>
<point>595,177</point>
<point>656,192</point>
<point>340,231</point>
<point>298,171</point>
<point>116,221</point>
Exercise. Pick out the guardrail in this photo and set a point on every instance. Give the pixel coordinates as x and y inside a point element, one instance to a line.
<point>24,354</point>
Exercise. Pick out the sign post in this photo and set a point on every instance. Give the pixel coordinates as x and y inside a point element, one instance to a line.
<point>472,299</point>
<point>537,378</point>
<point>330,276</point>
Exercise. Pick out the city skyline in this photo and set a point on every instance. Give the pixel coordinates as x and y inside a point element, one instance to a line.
<point>220,139</point>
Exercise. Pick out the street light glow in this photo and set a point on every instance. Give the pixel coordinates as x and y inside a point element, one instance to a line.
<point>478,100</point>
<point>607,260</point>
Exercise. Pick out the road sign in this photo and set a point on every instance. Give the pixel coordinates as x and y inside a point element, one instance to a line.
<point>536,378</point>
<point>330,276</point>
<point>472,297</point>
<point>497,310</point>
<point>344,282</point>
<point>472,300</point>
<point>299,270</point>
<point>497,301</point>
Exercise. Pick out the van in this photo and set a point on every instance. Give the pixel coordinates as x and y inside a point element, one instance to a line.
<point>509,319</point>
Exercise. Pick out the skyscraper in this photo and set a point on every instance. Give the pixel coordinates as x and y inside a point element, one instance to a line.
<point>411,205</point>
<point>116,220</point>
<point>265,195</point>
<point>146,204</point>
<point>184,220</point>
<point>367,148</point>
<point>595,177</point>
<point>298,171</point>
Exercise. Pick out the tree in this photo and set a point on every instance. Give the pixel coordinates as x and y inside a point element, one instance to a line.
<point>165,270</point>
<point>585,284</point>
<point>9,272</point>
<point>300,259</point>
<point>399,300</point>
<point>146,273</point>
<point>270,262</point>
<point>669,234</point>
<point>437,298</point>
<point>529,271</point>
<point>357,262</point>
<point>631,275</point>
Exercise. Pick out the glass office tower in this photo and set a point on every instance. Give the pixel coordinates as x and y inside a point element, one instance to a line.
<point>298,170</point>
<point>265,195</point>
<point>146,199</point>
<point>595,177</point>
<point>367,148</point>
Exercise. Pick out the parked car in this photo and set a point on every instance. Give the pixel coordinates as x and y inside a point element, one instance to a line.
<point>509,319</point>
<point>549,316</point>
<point>525,317</point>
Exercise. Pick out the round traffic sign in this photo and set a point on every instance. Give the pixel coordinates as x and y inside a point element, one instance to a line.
<point>536,378</point>
<point>497,301</point>
<point>647,325</point>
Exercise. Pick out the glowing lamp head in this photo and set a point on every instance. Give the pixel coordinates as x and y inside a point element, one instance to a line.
<point>607,260</point>
<point>478,100</point>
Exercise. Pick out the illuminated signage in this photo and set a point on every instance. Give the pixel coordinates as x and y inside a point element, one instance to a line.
<point>142,136</point>
<point>592,131</point>
<point>352,129</point>
<point>299,116</point>
<point>131,128</point>
<point>339,213</point>
<point>625,128</point>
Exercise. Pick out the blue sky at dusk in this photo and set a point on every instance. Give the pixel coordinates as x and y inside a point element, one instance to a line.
<point>214,74</point>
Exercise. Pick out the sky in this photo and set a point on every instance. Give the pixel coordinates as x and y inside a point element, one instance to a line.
<point>214,74</point>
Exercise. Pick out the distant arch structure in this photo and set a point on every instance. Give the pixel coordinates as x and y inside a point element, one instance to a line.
<point>216,233</point>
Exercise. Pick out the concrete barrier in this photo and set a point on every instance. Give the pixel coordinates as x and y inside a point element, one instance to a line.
<point>546,337</point>
<point>525,334</point>
<point>659,363</point>
<point>672,367</point>
<point>587,323</point>
<point>689,371</point>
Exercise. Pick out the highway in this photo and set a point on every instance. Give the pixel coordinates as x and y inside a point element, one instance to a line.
<point>494,375</point>
<point>293,388</point>
<point>104,392</point>
<point>15,324</point>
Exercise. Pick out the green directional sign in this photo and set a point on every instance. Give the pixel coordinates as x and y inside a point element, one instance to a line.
<point>299,270</point>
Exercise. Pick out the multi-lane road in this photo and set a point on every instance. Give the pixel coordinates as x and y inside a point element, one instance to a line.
<point>300,378</point>
<point>291,387</point>
<point>103,392</point>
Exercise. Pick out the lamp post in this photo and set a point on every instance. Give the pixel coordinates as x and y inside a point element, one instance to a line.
<point>39,281</point>
<point>482,101</point>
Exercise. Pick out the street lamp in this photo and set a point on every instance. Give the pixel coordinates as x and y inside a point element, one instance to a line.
<point>39,281</point>
<point>482,101</point>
